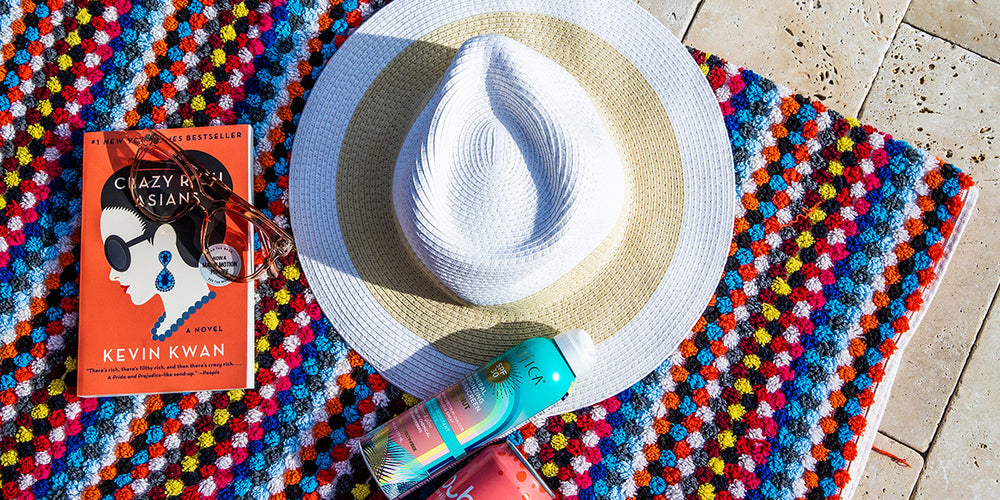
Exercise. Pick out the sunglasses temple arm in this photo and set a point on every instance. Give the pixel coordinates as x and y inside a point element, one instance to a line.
<point>272,268</point>
<point>275,232</point>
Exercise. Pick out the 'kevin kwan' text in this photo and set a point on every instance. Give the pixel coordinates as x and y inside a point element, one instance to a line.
<point>124,354</point>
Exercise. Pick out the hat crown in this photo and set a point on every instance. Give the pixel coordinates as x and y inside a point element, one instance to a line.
<point>508,178</point>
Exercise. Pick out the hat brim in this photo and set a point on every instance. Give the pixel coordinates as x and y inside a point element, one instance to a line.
<point>661,318</point>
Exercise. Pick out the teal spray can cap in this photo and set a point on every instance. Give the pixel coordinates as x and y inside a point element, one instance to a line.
<point>578,349</point>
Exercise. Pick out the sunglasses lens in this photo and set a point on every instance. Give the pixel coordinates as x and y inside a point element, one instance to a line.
<point>117,254</point>
<point>161,186</point>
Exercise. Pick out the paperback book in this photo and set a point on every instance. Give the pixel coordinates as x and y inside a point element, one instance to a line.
<point>154,315</point>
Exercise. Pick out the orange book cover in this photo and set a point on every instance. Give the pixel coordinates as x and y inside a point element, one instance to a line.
<point>154,317</point>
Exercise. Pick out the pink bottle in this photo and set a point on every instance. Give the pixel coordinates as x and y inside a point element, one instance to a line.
<point>499,472</point>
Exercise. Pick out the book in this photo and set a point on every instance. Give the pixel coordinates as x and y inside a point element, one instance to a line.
<point>154,316</point>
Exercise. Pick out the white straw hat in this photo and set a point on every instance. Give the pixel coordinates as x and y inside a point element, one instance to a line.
<point>452,194</point>
<point>508,178</point>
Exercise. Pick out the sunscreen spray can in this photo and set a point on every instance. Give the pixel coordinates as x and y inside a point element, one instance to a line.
<point>488,403</point>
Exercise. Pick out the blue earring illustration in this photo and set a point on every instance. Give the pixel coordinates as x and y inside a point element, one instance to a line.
<point>165,280</point>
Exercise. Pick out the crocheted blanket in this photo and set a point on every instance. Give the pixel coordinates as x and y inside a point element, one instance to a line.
<point>837,243</point>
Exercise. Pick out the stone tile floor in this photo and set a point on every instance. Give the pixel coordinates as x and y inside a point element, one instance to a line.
<point>928,72</point>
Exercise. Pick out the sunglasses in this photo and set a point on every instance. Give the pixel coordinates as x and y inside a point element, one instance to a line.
<point>168,183</point>
<point>116,251</point>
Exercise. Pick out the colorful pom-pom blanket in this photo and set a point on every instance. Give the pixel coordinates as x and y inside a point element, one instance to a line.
<point>838,241</point>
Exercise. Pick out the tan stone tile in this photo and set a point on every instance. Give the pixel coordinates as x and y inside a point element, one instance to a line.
<point>885,478</point>
<point>941,98</point>
<point>828,48</point>
<point>674,14</point>
<point>938,96</point>
<point>964,461</point>
<point>973,24</point>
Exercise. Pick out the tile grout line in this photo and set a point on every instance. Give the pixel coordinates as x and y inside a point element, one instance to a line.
<point>951,398</point>
<point>697,9</point>
<point>881,62</point>
<point>956,44</point>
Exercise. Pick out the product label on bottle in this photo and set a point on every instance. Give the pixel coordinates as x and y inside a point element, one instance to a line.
<point>477,405</point>
<point>416,432</point>
<point>428,436</point>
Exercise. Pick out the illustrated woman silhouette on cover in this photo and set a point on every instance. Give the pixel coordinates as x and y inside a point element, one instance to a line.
<point>158,259</point>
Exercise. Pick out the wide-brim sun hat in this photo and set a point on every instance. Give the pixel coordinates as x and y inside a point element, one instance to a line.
<point>572,172</point>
